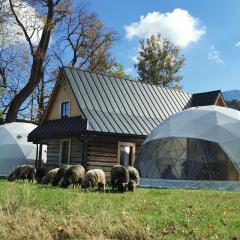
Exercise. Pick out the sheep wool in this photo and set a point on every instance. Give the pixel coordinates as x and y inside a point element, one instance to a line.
<point>47,179</point>
<point>74,175</point>
<point>94,177</point>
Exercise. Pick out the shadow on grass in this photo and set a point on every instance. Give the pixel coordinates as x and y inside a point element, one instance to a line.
<point>108,188</point>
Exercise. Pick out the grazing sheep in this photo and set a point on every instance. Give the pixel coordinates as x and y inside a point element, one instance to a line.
<point>119,178</point>
<point>28,172</point>
<point>95,177</point>
<point>74,175</point>
<point>59,175</point>
<point>15,174</point>
<point>47,179</point>
<point>41,172</point>
<point>134,178</point>
<point>25,172</point>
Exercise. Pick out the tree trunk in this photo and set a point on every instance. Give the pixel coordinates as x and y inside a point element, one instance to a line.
<point>41,98</point>
<point>37,65</point>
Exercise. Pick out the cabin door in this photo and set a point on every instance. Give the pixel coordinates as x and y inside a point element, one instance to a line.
<point>126,153</point>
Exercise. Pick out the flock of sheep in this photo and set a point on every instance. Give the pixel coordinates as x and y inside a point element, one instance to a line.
<point>122,178</point>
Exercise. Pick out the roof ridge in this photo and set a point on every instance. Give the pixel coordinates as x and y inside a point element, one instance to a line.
<point>218,90</point>
<point>127,79</point>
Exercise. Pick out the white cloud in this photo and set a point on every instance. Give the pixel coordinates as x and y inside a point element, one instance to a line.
<point>134,58</point>
<point>237,44</point>
<point>214,55</point>
<point>129,70</point>
<point>178,26</point>
<point>12,33</point>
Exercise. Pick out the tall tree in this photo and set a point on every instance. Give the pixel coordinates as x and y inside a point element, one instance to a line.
<point>85,39</point>
<point>159,62</point>
<point>80,39</point>
<point>53,14</point>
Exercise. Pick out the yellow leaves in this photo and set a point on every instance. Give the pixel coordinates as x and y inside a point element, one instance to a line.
<point>126,215</point>
<point>60,229</point>
<point>210,226</point>
<point>165,231</point>
<point>168,230</point>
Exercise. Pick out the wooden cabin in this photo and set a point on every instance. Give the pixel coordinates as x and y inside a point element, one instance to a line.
<point>98,120</point>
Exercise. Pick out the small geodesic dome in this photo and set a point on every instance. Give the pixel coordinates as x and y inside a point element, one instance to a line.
<point>200,143</point>
<point>14,148</point>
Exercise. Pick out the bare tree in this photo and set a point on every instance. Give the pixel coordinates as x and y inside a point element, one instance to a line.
<point>54,13</point>
<point>78,39</point>
<point>87,40</point>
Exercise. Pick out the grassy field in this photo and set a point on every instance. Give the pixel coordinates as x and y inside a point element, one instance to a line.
<point>31,211</point>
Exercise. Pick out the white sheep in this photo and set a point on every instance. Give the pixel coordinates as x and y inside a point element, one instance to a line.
<point>134,178</point>
<point>94,177</point>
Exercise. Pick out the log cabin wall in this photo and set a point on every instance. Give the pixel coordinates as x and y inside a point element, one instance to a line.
<point>77,152</point>
<point>102,151</point>
<point>92,151</point>
<point>53,152</point>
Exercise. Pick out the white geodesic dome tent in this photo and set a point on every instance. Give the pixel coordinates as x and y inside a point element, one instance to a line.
<point>14,148</point>
<point>200,143</point>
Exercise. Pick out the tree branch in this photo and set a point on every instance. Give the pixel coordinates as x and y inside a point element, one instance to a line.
<point>21,26</point>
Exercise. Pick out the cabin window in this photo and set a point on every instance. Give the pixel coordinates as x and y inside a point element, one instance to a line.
<point>65,109</point>
<point>65,151</point>
<point>126,153</point>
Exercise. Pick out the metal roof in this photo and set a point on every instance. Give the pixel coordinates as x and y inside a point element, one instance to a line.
<point>71,126</point>
<point>123,106</point>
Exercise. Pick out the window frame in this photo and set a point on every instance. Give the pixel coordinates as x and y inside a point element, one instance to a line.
<point>61,103</point>
<point>69,153</point>
<point>126,144</point>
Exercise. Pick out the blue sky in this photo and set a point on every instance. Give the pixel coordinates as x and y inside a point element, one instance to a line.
<point>208,33</point>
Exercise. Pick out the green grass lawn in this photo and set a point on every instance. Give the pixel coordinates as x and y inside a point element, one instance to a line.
<point>31,211</point>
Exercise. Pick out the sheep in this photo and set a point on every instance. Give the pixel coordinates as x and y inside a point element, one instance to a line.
<point>134,178</point>
<point>15,174</point>
<point>28,172</point>
<point>59,175</point>
<point>47,179</point>
<point>119,178</point>
<point>74,175</point>
<point>95,177</point>
<point>23,172</point>
<point>41,172</point>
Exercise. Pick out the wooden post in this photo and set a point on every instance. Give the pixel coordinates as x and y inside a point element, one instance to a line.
<point>36,163</point>
<point>40,156</point>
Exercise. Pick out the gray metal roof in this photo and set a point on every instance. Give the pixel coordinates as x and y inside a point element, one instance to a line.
<point>122,106</point>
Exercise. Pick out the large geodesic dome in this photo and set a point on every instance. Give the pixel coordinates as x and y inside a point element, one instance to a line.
<point>14,148</point>
<point>200,143</point>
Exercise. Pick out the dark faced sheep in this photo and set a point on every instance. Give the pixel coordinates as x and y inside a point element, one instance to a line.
<point>74,175</point>
<point>134,178</point>
<point>41,172</point>
<point>15,174</point>
<point>25,172</point>
<point>119,178</point>
<point>47,179</point>
<point>28,172</point>
<point>95,177</point>
<point>59,175</point>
